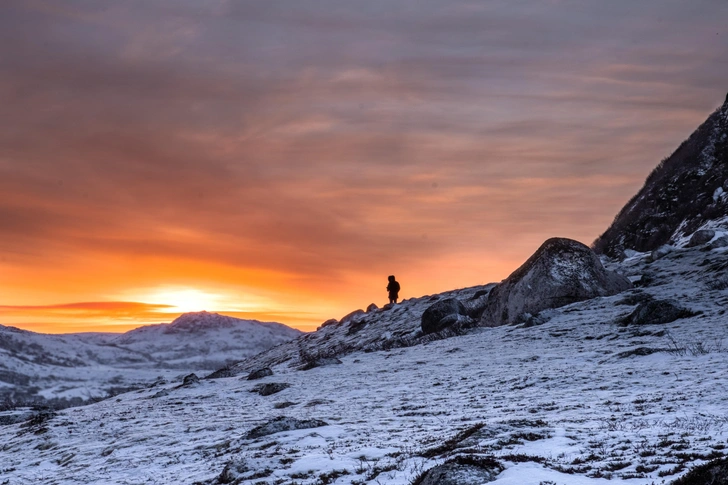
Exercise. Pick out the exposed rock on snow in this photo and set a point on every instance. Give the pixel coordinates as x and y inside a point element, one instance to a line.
<point>283,423</point>
<point>719,242</point>
<point>319,362</point>
<point>270,388</point>
<point>463,470</point>
<point>443,314</point>
<point>330,321</point>
<point>560,272</point>
<point>190,380</point>
<point>661,252</point>
<point>655,312</point>
<point>235,472</point>
<point>372,307</point>
<point>260,373</point>
<point>353,316</point>
<point>701,237</point>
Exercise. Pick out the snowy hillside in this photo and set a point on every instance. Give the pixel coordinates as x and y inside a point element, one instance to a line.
<point>75,367</point>
<point>596,393</point>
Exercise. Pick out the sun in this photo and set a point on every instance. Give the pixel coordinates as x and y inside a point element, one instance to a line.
<point>185,300</point>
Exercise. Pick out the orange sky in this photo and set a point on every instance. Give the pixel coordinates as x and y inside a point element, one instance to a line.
<point>277,160</point>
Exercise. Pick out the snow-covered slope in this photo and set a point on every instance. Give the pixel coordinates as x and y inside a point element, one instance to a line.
<point>583,398</point>
<point>391,326</point>
<point>74,367</point>
<point>687,190</point>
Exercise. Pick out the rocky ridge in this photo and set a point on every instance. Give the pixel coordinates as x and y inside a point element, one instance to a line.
<point>686,192</point>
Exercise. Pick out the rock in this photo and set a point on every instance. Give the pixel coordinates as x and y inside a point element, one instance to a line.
<point>319,362</point>
<point>639,351</point>
<point>190,380</point>
<point>270,388</point>
<point>656,312</point>
<point>720,242</point>
<point>442,314</point>
<point>700,237</point>
<point>233,472</point>
<point>635,298</point>
<point>560,272</point>
<point>463,470</point>
<point>661,252</point>
<point>283,423</point>
<point>353,316</point>
<point>372,307</point>
<point>330,321</point>
<point>260,373</point>
<point>159,394</point>
<point>711,473</point>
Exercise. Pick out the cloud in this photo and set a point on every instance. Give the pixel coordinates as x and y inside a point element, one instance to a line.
<point>319,140</point>
<point>116,310</point>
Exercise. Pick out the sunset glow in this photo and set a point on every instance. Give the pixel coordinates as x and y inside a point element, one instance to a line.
<point>278,161</point>
<point>186,300</point>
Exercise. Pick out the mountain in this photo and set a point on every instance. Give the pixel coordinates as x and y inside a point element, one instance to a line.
<point>592,393</point>
<point>70,368</point>
<point>204,340</point>
<point>687,191</point>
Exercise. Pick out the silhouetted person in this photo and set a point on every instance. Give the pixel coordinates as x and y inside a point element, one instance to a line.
<point>393,289</point>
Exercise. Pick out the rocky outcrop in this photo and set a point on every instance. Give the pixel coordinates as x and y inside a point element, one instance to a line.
<point>260,373</point>
<point>270,388</point>
<point>655,312</point>
<point>190,380</point>
<point>443,314</point>
<point>283,423</point>
<point>463,470</point>
<point>683,193</point>
<point>311,363</point>
<point>560,272</point>
<point>701,237</point>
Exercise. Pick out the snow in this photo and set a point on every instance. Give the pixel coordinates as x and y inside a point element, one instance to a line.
<point>89,365</point>
<point>557,403</point>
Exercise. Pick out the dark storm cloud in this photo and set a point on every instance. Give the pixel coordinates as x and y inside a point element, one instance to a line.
<point>313,136</point>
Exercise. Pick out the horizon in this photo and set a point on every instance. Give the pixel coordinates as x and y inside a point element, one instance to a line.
<point>277,162</point>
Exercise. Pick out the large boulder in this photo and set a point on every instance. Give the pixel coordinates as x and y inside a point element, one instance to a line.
<point>560,272</point>
<point>442,314</point>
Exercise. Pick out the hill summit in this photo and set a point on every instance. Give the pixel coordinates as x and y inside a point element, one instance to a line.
<point>686,192</point>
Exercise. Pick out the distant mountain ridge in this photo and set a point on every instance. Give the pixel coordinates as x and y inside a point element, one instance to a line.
<point>76,367</point>
<point>687,191</point>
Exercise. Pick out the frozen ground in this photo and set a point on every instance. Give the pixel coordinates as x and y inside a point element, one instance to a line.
<point>579,399</point>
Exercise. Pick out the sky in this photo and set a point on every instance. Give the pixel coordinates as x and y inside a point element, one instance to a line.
<point>278,160</point>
